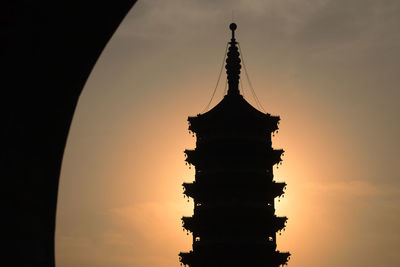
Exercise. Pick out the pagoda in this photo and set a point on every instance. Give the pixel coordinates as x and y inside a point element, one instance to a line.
<point>234,221</point>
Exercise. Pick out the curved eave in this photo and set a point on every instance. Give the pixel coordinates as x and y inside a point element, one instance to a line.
<point>277,258</point>
<point>213,190</point>
<point>198,226</point>
<point>234,109</point>
<point>197,157</point>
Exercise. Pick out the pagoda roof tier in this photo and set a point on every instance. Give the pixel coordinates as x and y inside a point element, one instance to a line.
<point>234,144</point>
<point>252,176</point>
<point>234,257</point>
<point>232,147</point>
<point>222,170</point>
<point>238,239</point>
<point>205,192</point>
<point>239,136</point>
<point>254,223</point>
<point>226,247</point>
<point>255,174</point>
<point>233,112</point>
<point>203,157</point>
<point>231,210</point>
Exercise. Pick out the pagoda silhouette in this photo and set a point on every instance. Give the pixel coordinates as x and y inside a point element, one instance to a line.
<point>234,221</point>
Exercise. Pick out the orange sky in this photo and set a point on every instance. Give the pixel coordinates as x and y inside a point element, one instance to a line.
<point>329,69</point>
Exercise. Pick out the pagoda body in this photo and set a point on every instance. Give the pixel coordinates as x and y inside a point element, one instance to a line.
<point>234,221</point>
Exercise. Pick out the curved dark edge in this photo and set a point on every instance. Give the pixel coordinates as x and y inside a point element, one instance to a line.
<point>48,49</point>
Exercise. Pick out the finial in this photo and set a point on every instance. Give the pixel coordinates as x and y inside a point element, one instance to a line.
<point>233,27</point>
<point>233,64</point>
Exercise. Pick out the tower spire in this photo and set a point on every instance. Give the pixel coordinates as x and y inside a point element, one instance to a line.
<point>233,64</point>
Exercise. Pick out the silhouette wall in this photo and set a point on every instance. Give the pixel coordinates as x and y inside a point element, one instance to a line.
<point>48,49</point>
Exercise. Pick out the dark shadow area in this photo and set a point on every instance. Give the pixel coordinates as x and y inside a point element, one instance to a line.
<point>48,49</point>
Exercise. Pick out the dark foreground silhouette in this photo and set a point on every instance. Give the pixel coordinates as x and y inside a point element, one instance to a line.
<point>48,49</point>
<point>234,222</point>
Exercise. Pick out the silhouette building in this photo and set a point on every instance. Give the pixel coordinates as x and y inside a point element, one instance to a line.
<point>234,221</point>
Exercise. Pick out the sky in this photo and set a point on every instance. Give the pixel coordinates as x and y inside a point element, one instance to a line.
<point>330,69</point>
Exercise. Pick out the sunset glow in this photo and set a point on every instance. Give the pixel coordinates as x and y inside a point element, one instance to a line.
<point>121,200</point>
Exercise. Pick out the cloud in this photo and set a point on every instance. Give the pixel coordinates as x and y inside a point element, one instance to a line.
<point>156,221</point>
<point>142,234</point>
<point>354,188</point>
